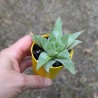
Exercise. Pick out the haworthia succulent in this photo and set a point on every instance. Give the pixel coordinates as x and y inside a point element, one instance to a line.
<point>56,48</point>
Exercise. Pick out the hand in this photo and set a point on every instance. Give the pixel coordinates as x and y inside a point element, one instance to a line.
<point>13,62</point>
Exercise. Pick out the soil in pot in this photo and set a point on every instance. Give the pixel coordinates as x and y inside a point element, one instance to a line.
<point>36,52</point>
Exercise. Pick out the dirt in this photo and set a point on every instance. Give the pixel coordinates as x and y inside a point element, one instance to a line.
<point>18,17</point>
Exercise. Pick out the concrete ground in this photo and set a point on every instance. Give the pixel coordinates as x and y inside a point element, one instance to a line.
<point>18,17</point>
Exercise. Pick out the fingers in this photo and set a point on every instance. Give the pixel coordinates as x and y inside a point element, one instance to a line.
<point>25,64</point>
<point>21,48</point>
<point>36,81</point>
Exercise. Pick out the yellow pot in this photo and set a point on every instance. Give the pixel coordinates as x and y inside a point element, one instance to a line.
<point>42,72</point>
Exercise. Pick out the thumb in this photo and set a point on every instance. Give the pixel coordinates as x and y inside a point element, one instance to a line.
<point>36,81</point>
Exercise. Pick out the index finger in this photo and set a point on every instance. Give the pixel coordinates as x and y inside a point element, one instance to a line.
<point>21,48</point>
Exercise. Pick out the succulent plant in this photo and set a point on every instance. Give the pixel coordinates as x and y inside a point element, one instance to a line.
<point>56,48</point>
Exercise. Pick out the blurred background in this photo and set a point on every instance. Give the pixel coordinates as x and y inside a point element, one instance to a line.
<point>18,17</point>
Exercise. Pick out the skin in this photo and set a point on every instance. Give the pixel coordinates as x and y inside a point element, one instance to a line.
<point>13,62</point>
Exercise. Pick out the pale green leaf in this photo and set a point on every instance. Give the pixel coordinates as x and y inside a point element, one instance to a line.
<point>36,38</point>
<point>51,37</point>
<point>76,42</point>
<point>49,64</point>
<point>50,49</point>
<point>43,42</point>
<point>68,65</point>
<point>64,39</point>
<point>73,37</point>
<point>52,54</point>
<point>59,45</point>
<point>64,54</point>
<point>40,41</point>
<point>43,58</point>
<point>57,31</point>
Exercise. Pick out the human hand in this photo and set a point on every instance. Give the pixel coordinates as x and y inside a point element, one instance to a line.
<point>13,63</point>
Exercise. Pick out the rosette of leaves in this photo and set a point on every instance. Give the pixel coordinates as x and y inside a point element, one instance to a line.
<point>56,48</point>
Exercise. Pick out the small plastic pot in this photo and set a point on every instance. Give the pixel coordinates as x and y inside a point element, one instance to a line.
<point>42,72</point>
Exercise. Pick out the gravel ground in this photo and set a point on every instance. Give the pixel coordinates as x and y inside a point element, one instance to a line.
<point>18,17</point>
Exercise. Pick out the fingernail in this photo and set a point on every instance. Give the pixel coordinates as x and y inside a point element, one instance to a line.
<point>48,82</point>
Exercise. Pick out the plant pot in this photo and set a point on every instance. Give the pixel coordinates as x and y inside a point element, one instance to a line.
<point>42,72</point>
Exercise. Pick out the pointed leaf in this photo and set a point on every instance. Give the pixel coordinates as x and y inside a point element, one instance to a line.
<point>57,31</point>
<point>64,39</point>
<point>59,45</point>
<point>51,37</point>
<point>43,58</point>
<point>58,28</point>
<point>50,49</point>
<point>76,42</point>
<point>64,54</point>
<point>36,38</point>
<point>72,38</point>
<point>40,41</point>
<point>68,65</point>
<point>49,64</point>
<point>43,42</point>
